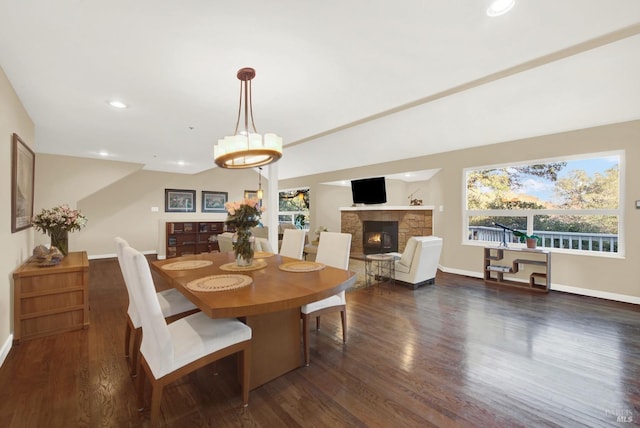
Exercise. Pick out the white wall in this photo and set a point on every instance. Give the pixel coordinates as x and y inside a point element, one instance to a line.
<point>16,247</point>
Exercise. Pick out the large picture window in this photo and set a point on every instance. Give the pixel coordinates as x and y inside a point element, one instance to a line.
<point>570,204</point>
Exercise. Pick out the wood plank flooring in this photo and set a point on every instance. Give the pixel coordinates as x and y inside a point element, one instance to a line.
<point>455,354</point>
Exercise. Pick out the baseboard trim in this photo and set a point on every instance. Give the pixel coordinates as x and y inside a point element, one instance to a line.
<point>560,287</point>
<point>6,347</point>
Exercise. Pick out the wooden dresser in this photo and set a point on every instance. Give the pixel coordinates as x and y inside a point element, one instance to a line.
<point>50,300</point>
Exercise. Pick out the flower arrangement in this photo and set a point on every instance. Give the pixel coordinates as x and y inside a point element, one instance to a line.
<point>243,215</point>
<point>57,222</point>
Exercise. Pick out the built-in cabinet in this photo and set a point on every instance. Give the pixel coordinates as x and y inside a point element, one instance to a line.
<point>51,299</point>
<point>192,237</point>
<point>507,265</point>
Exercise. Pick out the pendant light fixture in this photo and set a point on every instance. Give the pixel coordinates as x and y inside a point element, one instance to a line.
<point>246,148</point>
<point>259,193</point>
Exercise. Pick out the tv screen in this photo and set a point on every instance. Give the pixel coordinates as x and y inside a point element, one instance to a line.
<point>369,191</point>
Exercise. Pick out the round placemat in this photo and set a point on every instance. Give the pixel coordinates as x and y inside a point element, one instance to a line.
<point>187,264</point>
<point>233,267</point>
<point>301,266</point>
<point>262,254</point>
<point>219,282</point>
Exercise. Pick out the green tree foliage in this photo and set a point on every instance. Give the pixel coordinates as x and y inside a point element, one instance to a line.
<point>496,189</point>
<point>579,191</point>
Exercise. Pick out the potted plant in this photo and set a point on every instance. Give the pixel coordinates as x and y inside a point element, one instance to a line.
<point>531,240</point>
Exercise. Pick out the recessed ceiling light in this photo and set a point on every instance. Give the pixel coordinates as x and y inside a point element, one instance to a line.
<point>181,163</point>
<point>103,153</point>
<point>500,7</point>
<point>117,104</point>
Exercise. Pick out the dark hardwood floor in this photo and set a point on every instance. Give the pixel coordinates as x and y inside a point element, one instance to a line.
<point>457,353</point>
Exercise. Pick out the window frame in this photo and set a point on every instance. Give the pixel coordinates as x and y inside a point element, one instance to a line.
<point>531,213</point>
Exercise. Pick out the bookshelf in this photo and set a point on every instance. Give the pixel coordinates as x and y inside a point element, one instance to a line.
<point>192,237</point>
<point>506,266</point>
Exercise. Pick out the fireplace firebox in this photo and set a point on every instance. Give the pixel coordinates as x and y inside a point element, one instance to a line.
<point>379,237</point>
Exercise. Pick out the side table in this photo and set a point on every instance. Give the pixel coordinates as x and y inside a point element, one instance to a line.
<point>380,269</point>
<point>50,300</point>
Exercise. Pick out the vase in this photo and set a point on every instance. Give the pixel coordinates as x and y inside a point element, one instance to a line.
<point>60,240</point>
<point>243,246</point>
<point>532,242</point>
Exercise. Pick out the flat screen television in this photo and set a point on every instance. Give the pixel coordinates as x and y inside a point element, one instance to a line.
<point>369,191</point>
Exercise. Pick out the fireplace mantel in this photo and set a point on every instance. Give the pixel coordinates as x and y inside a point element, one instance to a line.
<point>389,208</point>
<point>412,221</point>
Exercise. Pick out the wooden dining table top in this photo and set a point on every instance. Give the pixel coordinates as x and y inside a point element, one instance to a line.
<point>271,289</point>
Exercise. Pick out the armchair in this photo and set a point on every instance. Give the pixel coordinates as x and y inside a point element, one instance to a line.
<point>418,263</point>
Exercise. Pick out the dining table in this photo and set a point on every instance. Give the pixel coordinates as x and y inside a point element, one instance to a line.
<point>267,296</point>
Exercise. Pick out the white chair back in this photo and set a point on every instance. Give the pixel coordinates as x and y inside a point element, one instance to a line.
<point>262,244</point>
<point>121,244</point>
<point>334,249</point>
<point>225,242</point>
<point>293,243</point>
<point>156,346</point>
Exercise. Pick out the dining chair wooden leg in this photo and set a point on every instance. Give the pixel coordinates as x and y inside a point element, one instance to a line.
<point>140,386</point>
<point>135,352</point>
<point>305,337</point>
<point>127,338</point>
<point>246,374</point>
<point>156,398</point>
<point>343,316</point>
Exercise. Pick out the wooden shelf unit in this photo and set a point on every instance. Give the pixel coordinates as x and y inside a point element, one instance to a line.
<point>50,300</point>
<point>495,273</point>
<point>192,237</point>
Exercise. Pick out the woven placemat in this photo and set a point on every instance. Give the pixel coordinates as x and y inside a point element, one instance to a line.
<point>187,264</point>
<point>301,266</point>
<point>233,267</point>
<point>262,254</point>
<point>219,282</point>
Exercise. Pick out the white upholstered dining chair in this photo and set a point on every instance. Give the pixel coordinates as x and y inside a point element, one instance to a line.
<point>263,244</point>
<point>293,243</point>
<point>171,351</point>
<point>333,250</point>
<point>225,242</point>
<point>172,304</point>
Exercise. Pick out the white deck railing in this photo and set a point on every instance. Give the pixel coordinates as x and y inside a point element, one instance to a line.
<point>601,242</point>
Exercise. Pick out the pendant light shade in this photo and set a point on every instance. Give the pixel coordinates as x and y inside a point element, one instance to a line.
<point>247,148</point>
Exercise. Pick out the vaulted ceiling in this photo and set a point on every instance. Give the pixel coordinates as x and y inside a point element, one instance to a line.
<point>372,80</point>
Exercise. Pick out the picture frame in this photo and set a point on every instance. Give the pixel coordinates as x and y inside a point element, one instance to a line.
<point>23,166</point>
<point>179,201</point>
<point>213,202</point>
<point>251,194</point>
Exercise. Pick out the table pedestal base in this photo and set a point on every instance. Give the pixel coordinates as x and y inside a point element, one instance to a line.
<point>275,348</point>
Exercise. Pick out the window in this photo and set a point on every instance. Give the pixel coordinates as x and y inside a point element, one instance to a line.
<point>568,204</point>
<point>293,207</point>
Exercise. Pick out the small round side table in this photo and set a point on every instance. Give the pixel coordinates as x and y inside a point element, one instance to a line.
<point>380,269</point>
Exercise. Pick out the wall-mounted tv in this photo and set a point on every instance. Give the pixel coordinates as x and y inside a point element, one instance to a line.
<point>369,191</point>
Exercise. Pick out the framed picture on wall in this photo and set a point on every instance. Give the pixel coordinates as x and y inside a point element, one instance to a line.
<point>22,182</point>
<point>179,201</point>
<point>213,202</point>
<point>251,194</point>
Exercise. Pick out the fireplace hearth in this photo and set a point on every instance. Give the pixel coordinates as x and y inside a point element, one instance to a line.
<point>379,237</point>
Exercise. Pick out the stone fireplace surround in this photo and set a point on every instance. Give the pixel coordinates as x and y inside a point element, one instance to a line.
<point>412,221</point>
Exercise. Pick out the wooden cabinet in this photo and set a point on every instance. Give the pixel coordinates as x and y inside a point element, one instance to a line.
<point>50,300</point>
<point>506,266</point>
<point>192,237</point>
